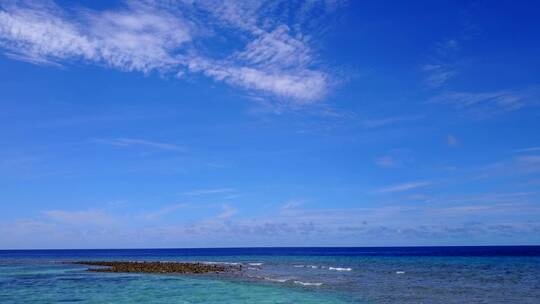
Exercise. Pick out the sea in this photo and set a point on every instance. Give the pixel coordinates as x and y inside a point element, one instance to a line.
<point>491,274</point>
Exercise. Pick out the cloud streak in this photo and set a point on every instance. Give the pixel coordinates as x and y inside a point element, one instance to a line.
<point>485,104</point>
<point>85,217</point>
<point>135,39</point>
<point>152,36</point>
<point>527,150</point>
<point>395,158</point>
<point>501,212</point>
<point>227,212</point>
<point>522,164</point>
<point>387,121</point>
<point>404,187</point>
<point>442,65</point>
<point>208,191</point>
<point>126,142</point>
<point>155,215</point>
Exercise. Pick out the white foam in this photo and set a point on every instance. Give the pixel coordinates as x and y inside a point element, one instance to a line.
<point>221,263</point>
<point>339,268</point>
<point>276,280</point>
<point>253,268</point>
<point>308,266</point>
<point>307,283</point>
<point>255,264</point>
<point>400,272</point>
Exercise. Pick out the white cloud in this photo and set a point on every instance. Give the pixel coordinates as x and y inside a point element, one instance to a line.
<point>522,164</point>
<point>386,161</point>
<point>152,36</point>
<point>442,66</point>
<point>395,158</point>
<point>135,39</point>
<point>165,211</point>
<point>86,217</point>
<point>438,74</point>
<point>527,150</point>
<point>446,218</point>
<point>126,142</point>
<point>293,203</point>
<point>404,187</point>
<point>386,121</point>
<point>484,103</point>
<point>301,84</point>
<point>209,191</point>
<point>227,212</point>
<point>39,33</point>
<point>242,15</point>
<point>141,38</point>
<point>276,49</point>
<point>529,159</point>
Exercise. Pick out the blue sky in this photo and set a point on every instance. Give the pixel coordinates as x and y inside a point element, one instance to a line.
<point>283,123</point>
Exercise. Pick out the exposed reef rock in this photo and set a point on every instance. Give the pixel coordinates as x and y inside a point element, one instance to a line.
<point>157,267</point>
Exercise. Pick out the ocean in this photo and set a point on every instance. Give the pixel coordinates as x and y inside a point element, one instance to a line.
<point>493,274</point>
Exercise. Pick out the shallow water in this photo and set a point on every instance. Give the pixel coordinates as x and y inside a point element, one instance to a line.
<point>284,275</point>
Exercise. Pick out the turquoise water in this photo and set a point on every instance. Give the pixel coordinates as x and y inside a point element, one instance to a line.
<point>323,276</point>
<point>60,283</point>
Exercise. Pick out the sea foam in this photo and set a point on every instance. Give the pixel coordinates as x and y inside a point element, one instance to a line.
<point>307,283</point>
<point>276,280</point>
<point>221,263</point>
<point>340,268</point>
<point>307,266</point>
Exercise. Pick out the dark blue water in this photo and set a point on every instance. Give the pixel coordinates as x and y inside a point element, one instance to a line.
<point>471,251</point>
<point>490,274</point>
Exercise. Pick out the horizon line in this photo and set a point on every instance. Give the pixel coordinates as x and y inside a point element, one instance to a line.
<point>273,247</point>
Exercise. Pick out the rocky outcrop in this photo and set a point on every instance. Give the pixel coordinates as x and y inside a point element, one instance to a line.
<point>157,267</point>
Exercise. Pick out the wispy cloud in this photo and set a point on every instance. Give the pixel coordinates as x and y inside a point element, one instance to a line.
<point>404,187</point>
<point>293,203</point>
<point>386,161</point>
<point>485,104</point>
<point>139,38</point>
<point>528,150</point>
<point>438,74</point>
<point>522,164</point>
<point>127,142</point>
<point>505,100</point>
<point>529,159</point>
<point>303,85</point>
<point>513,214</point>
<point>441,67</point>
<point>395,158</point>
<point>227,212</point>
<point>386,121</point>
<point>494,199</point>
<point>165,211</point>
<point>86,217</point>
<point>208,191</point>
<point>157,36</point>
